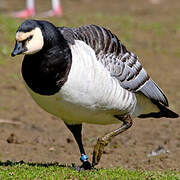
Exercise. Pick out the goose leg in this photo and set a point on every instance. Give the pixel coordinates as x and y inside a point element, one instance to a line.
<point>76,131</point>
<point>104,140</point>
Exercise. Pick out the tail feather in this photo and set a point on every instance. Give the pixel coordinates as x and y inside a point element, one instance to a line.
<point>164,112</point>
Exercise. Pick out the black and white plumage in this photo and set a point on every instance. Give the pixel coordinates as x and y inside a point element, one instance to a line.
<point>86,74</point>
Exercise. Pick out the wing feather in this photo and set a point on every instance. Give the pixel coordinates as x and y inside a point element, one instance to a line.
<point>121,63</point>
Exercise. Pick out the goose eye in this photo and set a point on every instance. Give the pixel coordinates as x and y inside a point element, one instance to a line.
<point>30,37</point>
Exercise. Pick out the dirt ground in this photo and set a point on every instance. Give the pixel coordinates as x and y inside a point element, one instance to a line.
<point>36,136</point>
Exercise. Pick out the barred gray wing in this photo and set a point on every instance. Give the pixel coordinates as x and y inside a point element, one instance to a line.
<point>121,63</point>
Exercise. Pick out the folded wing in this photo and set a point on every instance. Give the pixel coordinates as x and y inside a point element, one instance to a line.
<point>121,63</point>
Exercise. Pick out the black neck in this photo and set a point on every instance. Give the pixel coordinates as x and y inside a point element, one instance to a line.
<point>46,71</point>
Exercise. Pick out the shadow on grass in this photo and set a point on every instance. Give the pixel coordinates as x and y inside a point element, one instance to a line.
<point>12,163</point>
<point>72,166</point>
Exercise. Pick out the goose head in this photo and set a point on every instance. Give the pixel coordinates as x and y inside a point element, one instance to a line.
<point>33,35</point>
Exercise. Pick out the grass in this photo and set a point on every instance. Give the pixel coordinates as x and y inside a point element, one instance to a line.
<point>21,170</point>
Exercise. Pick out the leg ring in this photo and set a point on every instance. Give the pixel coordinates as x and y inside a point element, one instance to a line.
<point>84,158</point>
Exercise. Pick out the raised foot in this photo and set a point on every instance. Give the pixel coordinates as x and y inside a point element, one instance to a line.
<point>104,140</point>
<point>98,151</point>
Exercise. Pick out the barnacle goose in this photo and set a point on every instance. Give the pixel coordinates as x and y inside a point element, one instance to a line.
<point>86,74</point>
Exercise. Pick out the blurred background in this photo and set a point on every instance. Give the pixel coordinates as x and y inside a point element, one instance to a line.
<point>150,29</point>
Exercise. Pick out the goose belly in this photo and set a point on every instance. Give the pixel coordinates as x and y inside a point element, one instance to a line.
<point>77,112</point>
<point>72,113</point>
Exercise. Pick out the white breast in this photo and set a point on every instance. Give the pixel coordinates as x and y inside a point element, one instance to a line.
<point>90,94</point>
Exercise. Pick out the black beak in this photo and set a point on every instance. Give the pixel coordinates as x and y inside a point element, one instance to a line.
<point>18,49</point>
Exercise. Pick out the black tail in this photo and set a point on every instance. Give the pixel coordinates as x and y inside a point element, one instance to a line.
<point>164,112</point>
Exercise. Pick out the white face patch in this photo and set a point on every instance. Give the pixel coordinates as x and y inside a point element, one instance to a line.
<point>34,44</point>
